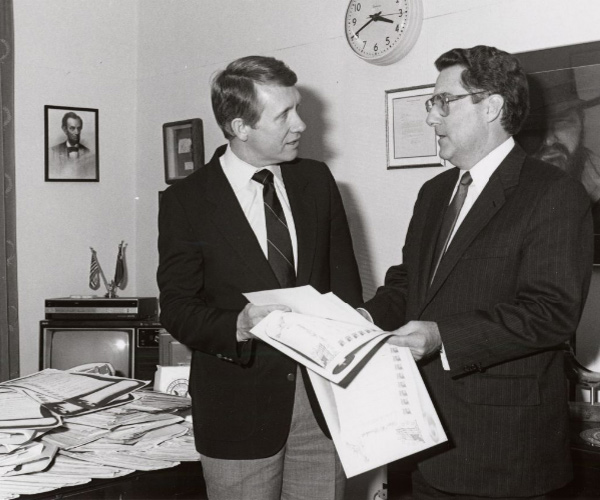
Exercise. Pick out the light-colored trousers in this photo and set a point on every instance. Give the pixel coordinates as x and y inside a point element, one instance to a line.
<point>306,468</point>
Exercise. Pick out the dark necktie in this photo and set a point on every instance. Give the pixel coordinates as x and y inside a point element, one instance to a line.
<point>73,149</point>
<point>449,221</point>
<point>280,253</point>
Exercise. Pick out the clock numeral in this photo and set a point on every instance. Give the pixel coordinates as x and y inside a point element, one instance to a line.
<point>397,27</point>
<point>357,7</point>
<point>400,12</point>
<point>375,48</point>
<point>387,40</point>
<point>354,21</point>
<point>364,44</point>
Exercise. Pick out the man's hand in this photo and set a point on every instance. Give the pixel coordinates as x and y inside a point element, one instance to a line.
<point>251,315</point>
<point>421,337</point>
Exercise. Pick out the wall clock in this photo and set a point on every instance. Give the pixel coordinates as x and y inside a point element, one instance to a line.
<point>383,31</point>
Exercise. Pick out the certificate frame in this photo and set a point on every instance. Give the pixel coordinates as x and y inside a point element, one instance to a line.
<point>410,141</point>
<point>183,146</point>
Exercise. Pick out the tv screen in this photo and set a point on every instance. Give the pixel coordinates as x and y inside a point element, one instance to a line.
<point>64,348</point>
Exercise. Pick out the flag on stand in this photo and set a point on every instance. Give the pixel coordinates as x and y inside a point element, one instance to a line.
<point>120,278</point>
<point>94,272</point>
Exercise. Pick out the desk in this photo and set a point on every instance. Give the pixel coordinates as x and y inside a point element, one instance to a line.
<point>183,482</point>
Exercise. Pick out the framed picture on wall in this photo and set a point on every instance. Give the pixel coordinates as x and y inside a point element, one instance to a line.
<point>183,145</point>
<point>563,127</point>
<point>410,141</point>
<point>71,144</point>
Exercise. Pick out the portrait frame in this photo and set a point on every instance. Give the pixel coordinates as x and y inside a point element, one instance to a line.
<point>79,166</point>
<point>183,146</point>
<point>566,80</point>
<point>410,141</point>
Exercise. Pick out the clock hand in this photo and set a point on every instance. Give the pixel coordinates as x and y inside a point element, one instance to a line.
<point>364,26</point>
<point>379,18</point>
<point>373,17</point>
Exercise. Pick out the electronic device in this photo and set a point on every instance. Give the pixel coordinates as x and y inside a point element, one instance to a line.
<point>131,347</point>
<point>94,308</point>
<point>171,352</point>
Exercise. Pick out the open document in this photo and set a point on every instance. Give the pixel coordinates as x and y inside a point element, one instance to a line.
<point>69,393</point>
<point>384,414</point>
<point>322,332</point>
<point>20,411</point>
<point>380,410</point>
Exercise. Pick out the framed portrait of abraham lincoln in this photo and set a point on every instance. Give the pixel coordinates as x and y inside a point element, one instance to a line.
<point>71,144</point>
<point>563,127</point>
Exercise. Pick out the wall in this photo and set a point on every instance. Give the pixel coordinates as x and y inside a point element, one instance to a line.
<point>185,42</point>
<point>161,54</point>
<point>77,54</point>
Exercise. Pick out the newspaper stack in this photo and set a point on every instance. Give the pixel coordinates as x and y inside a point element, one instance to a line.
<point>62,428</point>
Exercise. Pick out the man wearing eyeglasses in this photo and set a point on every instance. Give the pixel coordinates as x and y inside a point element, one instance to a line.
<point>496,268</point>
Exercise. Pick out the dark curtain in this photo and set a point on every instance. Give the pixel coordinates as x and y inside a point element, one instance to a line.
<point>9,325</point>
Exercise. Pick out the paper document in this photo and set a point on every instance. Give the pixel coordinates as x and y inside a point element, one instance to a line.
<point>66,393</point>
<point>330,348</point>
<point>371,392</point>
<point>19,411</point>
<point>383,415</point>
<point>322,332</point>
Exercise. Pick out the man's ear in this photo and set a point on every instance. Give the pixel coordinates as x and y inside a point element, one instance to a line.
<point>239,129</point>
<point>495,106</point>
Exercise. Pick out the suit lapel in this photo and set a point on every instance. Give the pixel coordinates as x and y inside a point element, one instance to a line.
<point>487,205</point>
<point>304,211</point>
<point>229,218</point>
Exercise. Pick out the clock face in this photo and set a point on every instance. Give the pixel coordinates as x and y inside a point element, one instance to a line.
<point>383,31</point>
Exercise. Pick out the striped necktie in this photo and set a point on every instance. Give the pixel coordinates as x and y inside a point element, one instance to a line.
<point>449,221</point>
<point>280,253</point>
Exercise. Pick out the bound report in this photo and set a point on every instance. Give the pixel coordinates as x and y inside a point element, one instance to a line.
<point>371,392</point>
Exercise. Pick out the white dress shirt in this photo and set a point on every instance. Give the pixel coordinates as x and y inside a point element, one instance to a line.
<point>250,196</point>
<point>480,173</point>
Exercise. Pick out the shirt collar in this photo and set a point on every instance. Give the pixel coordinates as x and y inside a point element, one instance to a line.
<point>239,172</point>
<point>484,168</point>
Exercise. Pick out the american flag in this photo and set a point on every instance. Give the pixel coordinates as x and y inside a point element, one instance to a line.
<point>94,272</point>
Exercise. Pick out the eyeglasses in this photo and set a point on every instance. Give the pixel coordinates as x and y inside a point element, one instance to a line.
<point>442,101</point>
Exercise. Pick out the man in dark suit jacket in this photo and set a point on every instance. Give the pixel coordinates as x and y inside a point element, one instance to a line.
<point>512,276</point>
<point>257,423</point>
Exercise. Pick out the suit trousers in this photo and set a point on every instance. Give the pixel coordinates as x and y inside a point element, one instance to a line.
<point>306,468</point>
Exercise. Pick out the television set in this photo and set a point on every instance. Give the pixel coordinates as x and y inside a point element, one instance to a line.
<point>131,347</point>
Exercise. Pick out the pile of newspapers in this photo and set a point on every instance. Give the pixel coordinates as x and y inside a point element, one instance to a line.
<point>65,428</point>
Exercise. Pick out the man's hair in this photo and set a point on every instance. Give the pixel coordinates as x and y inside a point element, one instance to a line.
<point>68,115</point>
<point>233,90</point>
<point>497,72</point>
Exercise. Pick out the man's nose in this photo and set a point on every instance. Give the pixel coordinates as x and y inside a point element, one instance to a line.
<point>433,117</point>
<point>550,138</point>
<point>298,126</point>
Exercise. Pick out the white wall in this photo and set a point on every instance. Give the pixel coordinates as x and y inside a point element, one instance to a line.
<point>161,54</point>
<point>182,43</point>
<point>76,53</point>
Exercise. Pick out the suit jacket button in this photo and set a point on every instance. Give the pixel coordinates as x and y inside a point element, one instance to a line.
<point>291,377</point>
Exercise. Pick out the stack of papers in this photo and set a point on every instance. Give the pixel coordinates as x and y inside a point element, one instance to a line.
<point>371,392</point>
<point>62,428</point>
